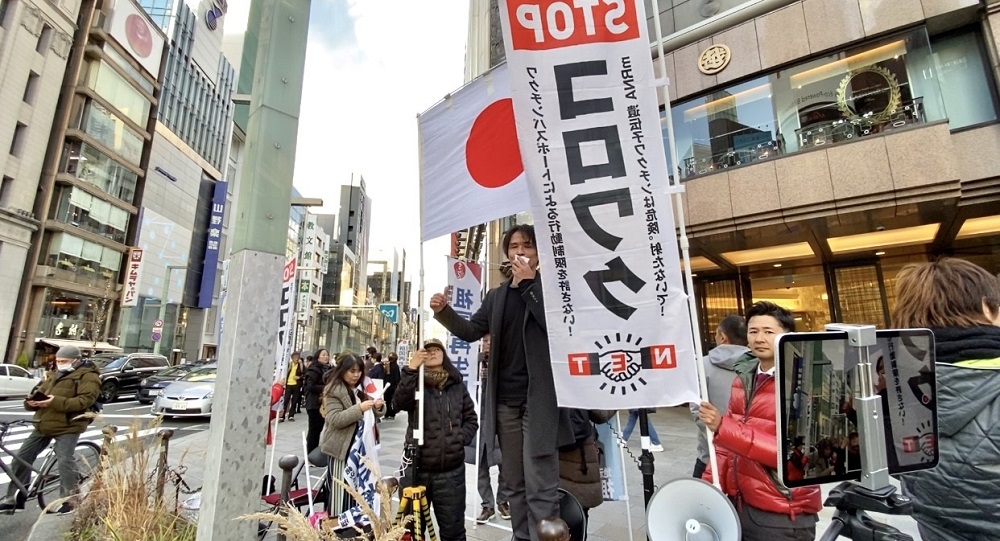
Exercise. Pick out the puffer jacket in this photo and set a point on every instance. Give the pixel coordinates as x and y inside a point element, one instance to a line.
<point>450,421</point>
<point>747,448</point>
<point>342,416</point>
<point>314,383</point>
<point>959,500</point>
<point>72,393</point>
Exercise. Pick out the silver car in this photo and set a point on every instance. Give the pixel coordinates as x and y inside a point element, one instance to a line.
<point>190,396</point>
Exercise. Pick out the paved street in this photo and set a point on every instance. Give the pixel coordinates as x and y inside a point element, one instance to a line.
<point>609,522</point>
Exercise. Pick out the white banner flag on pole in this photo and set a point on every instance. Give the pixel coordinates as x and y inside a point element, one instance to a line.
<point>589,129</point>
<point>285,321</point>
<point>465,284</point>
<point>470,163</point>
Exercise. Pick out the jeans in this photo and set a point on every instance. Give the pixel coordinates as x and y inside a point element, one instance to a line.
<point>533,481</point>
<point>633,416</point>
<point>69,477</point>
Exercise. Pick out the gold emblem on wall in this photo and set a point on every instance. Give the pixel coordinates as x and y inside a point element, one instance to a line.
<point>882,93</point>
<point>714,59</point>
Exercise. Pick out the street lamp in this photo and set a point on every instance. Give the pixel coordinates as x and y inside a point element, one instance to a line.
<point>163,302</point>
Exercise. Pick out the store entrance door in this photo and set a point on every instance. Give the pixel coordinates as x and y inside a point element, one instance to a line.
<point>860,294</point>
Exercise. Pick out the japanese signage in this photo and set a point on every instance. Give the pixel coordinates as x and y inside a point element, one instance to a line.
<point>213,239</point>
<point>589,130</point>
<point>613,485</point>
<point>465,291</point>
<point>285,322</point>
<point>133,271</point>
<point>905,380</point>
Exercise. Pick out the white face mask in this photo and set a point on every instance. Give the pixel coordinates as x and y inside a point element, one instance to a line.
<point>68,367</point>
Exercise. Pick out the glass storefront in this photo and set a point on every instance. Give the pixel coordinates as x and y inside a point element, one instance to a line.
<point>97,169</point>
<point>354,328</point>
<point>73,316</point>
<point>137,327</point>
<point>82,261</point>
<point>78,208</point>
<point>890,84</point>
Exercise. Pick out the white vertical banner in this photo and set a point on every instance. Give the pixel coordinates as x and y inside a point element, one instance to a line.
<point>133,272</point>
<point>465,287</point>
<point>286,321</point>
<point>588,124</point>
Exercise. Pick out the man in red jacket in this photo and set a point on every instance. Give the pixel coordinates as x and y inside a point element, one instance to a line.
<point>747,443</point>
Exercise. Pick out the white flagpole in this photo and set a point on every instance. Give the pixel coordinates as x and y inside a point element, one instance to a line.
<point>479,438</point>
<point>675,184</point>
<point>308,468</point>
<point>418,432</point>
<point>621,457</point>
<point>274,444</point>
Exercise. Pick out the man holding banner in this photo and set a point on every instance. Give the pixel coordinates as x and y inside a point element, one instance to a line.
<point>519,405</point>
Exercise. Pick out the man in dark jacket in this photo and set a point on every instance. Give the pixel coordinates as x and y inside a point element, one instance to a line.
<point>71,390</point>
<point>521,408</point>
<point>747,443</point>
<point>388,371</point>
<point>315,380</point>
<point>449,425</point>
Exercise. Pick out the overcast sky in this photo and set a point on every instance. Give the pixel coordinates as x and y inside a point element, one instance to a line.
<point>371,67</point>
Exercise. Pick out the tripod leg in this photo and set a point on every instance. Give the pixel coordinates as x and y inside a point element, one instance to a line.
<point>425,506</point>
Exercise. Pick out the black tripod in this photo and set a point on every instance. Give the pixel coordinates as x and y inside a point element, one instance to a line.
<point>851,520</point>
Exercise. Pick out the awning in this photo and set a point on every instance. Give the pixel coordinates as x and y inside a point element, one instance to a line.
<point>84,345</point>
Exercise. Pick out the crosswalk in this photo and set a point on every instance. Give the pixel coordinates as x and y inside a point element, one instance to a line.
<point>16,435</point>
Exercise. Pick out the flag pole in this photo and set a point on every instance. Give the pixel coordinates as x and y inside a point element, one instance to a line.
<point>418,431</point>
<point>673,177</point>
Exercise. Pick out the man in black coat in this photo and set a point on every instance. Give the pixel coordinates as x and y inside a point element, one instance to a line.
<point>388,371</point>
<point>520,408</point>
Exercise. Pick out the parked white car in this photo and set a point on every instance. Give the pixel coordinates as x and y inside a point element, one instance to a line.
<point>15,382</point>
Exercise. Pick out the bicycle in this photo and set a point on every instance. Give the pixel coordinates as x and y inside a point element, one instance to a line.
<point>46,478</point>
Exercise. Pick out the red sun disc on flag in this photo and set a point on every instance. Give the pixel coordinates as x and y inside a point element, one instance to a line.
<point>491,152</point>
<point>460,269</point>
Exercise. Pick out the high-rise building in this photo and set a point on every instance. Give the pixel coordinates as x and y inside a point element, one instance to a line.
<point>313,262</point>
<point>35,40</point>
<point>348,230</point>
<point>91,187</point>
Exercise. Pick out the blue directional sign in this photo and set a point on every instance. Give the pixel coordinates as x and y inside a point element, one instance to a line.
<point>391,311</point>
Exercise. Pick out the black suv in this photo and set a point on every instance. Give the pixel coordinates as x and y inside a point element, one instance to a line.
<point>121,373</point>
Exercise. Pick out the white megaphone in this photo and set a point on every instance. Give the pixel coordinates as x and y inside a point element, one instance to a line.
<point>690,509</point>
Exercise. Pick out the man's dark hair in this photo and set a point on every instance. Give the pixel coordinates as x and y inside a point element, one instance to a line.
<point>735,330</point>
<point>766,308</point>
<point>527,230</point>
<point>371,350</point>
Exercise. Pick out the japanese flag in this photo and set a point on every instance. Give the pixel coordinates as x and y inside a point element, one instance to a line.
<point>470,162</point>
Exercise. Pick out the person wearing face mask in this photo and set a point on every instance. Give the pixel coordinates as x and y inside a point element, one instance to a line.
<point>71,389</point>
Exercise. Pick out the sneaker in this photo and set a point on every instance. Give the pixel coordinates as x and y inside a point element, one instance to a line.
<point>504,510</point>
<point>281,419</point>
<point>485,516</point>
<point>63,509</point>
<point>656,448</point>
<point>291,419</point>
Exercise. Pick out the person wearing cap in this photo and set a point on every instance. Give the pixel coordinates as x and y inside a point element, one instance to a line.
<point>71,389</point>
<point>519,405</point>
<point>450,424</point>
<point>293,387</point>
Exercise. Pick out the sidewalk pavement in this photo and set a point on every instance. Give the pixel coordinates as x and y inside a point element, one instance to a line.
<point>608,522</point>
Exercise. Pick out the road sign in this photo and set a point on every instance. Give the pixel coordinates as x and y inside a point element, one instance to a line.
<point>391,311</point>
<point>156,336</point>
<point>158,324</point>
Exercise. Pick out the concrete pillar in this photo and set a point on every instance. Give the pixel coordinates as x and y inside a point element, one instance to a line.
<point>12,258</point>
<point>236,458</point>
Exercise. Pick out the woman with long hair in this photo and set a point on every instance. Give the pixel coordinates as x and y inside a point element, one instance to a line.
<point>313,392</point>
<point>960,302</point>
<point>345,404</point>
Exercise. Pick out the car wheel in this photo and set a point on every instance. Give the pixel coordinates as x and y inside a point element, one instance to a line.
<point>109,392</point>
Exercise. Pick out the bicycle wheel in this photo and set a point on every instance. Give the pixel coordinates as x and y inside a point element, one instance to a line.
<point>87,455</point>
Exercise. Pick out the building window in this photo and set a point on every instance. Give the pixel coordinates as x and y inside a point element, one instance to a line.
<point>108,128</point>
<point>6,188</point>
<point>114,88</point>
<point>5,6</point>
<point>98,169</point>
<point>82,261</point>
<point>852,94</point>
<point>30,88</point>
<point>960,65</point>
<point>17,142</point>
<point>44,39</point>
<point>80,209</point>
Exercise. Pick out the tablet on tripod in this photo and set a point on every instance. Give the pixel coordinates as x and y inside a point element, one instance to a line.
<point>819,441</point>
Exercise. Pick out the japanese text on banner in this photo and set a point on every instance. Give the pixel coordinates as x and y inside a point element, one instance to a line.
<point>589,130</point>
<point>285,322</point>
<point>465,287</point>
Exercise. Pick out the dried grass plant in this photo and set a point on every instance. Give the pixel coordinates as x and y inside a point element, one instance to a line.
<point>122,504</point>
<point>297,527</point>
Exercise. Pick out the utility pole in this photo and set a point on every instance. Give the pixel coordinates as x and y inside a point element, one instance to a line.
<point>235,462</point>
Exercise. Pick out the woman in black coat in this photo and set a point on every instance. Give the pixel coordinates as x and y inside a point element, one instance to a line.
<point>388,371</point>
<point>313,392</point>
<point>450,424</point>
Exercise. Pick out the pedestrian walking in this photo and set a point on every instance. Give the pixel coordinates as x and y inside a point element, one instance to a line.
<point>654,438</point>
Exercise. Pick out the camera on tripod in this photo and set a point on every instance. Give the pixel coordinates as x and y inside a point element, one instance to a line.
<point>856,405</point>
